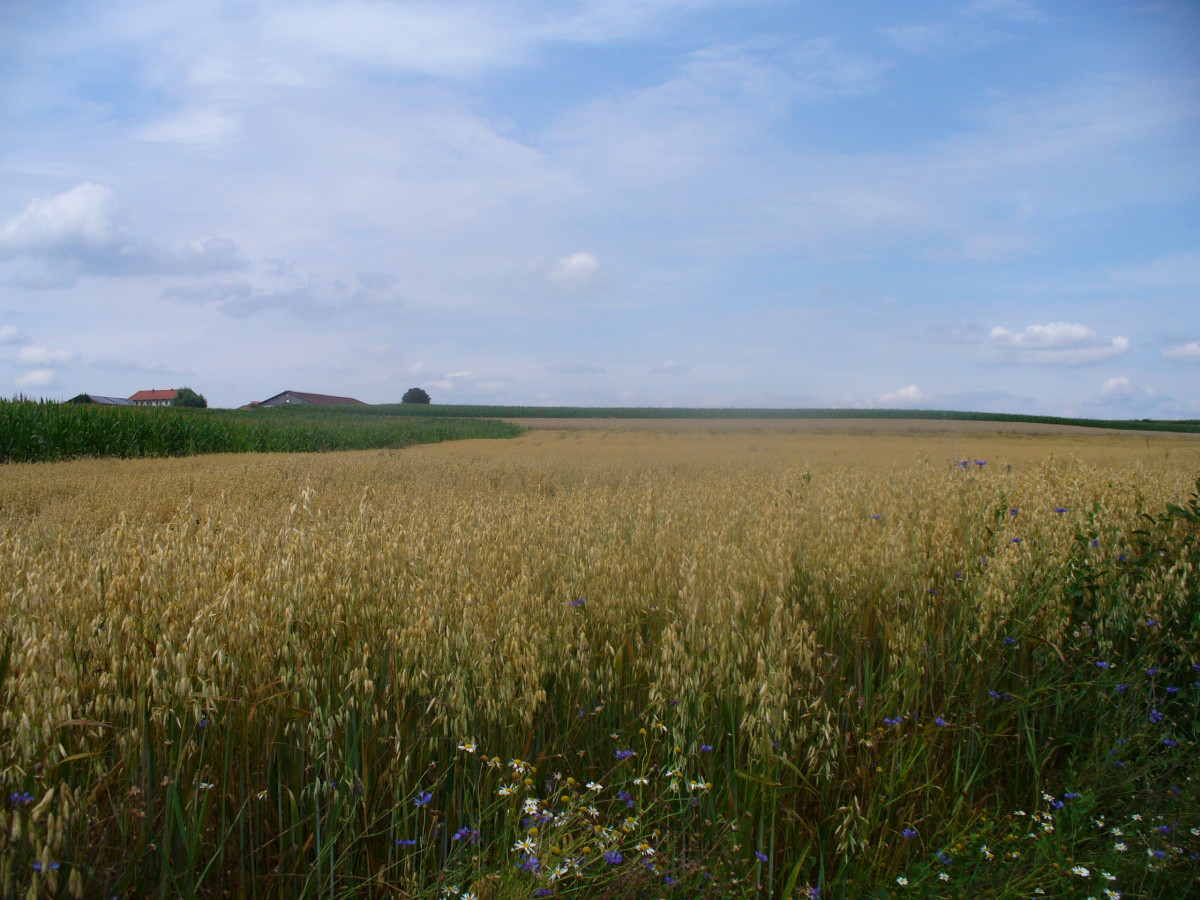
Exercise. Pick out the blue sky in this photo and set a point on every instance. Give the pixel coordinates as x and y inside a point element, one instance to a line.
<point>982,204</point>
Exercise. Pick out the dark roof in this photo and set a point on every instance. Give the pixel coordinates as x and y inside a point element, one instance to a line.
<point>320,399</point>
<point>102,400</point>
<point>154,395</point>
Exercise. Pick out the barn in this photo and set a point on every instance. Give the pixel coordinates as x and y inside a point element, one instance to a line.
<point>301,398</point>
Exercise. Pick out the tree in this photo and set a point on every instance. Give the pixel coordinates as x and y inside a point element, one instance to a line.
<point>415,395</point>
<point>185,396</point>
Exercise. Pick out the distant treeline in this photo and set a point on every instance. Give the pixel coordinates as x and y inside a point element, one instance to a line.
<point>647,412</point>
<point>36,430</point>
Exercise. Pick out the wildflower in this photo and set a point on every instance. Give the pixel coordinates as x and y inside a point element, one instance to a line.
<point>614,857</point>
<point>1155,716</point>
<point>1120,846</point>
<point>902,881</point>
<point>530,864</point>
<point>524,845</point>
<point>1013,511</point>
<point>506,790</point>
<point>624,754</point>
<point>1094,542</point>
<point>942,876</point>
<point>467,834</point>
<point>37,866</point>
<point>468,746</point>
<point>1122,688</point>
<point>876,515</point>
<point>944,859</point>
<point>978,462</point>
<point>942,723</point>
<point>1172,689</point>
<point>579,601</point>
<point>1070,795</point>
<point>707,748</point>
<point>627,797</point>
<point>591,811</point>
<point>1060,509</point>
<point>909,832</point>
<point>1170,743</point>
<point>645,849</point>
<point>407,842</point>
<point>207,785</point>
<point>762,857</point>
<point>1111,894</point>
<point>593,786</point>
<point>470,895</point>
<point>1101,664</point>
<point>641,780</point>
<point>21,799</point>
<point>1016,540</point>
<point>895,721</point>
<point>1009,641</point>
<point>423,798</point>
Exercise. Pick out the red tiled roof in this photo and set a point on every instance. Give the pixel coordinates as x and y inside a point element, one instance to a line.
<point>154,395</point>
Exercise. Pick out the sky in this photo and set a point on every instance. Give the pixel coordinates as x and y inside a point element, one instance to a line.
<point>981,204</point>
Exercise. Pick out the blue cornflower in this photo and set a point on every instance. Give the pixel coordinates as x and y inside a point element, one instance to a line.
<point>203,723</point>
<point>893,721</point>
<point>1170,743</point>
<point>1155,716</point>
<point>407,842</point>
<point>940,722</point>
<point>543,892</point>
<point>627,797</point>
<point>876,515</point>
<point>37,866</point>
<point>762,857</point>
<point>1171,689</point>
<point>1152,671</point>
<point>1163,829</point>
<point>530,864</point>
<point>1013,511</point>
<point>1160,854</point>
<point>669,881</point>
<point>1070,795</point>
<point>1009,641</point>
<point>814,893</point>
<point>614,857</point>
<point>1094,542</point>
<point>579,602</point>
<point>1150,623</point>
<point>909,832</point>
<point>944,859</point>
<point>21,799</point>
<point>1122,688</point>
<point>1101,664</point>
<point>1058,804</point>
<point>624,754</point>
<point>1060,509</point>
<point>423,798</point>
<point>1016,540</point>
<point>706,748</point>
<point>467,834</point>
<point>981,462</point>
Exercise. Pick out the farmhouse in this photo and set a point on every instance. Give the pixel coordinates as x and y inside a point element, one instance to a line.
<point>153,398</point>
<point>100,399</point>
<point>299,398</point>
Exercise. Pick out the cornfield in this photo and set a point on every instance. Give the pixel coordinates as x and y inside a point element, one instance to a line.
<point>605,665</point>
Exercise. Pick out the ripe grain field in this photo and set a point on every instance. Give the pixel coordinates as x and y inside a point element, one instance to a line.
<point>731,659</point>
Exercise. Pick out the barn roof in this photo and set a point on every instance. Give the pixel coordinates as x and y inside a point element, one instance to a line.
<point>101,399</point>
<point>154,395</point>
<point>321,399</point>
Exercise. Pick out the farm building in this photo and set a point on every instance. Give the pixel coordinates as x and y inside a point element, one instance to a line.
<point>299,398</point>
<point>100,399</point>
<point>153,398</point>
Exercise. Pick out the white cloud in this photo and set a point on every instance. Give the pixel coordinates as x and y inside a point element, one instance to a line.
<point>41,356</point>
<point>195,127</point>
<point>82,229</point>
<point>577,271</point>
<point>35,379</point>
<point>1189,352</point>
<point>670,367</point>
<point>903,397</point>
<point>1056,344</point>
<point>81,218</point>
<point>1121,389</point>
<point>9,334</point>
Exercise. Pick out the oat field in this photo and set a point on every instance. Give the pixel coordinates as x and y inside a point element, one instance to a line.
<point>686,661</point>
